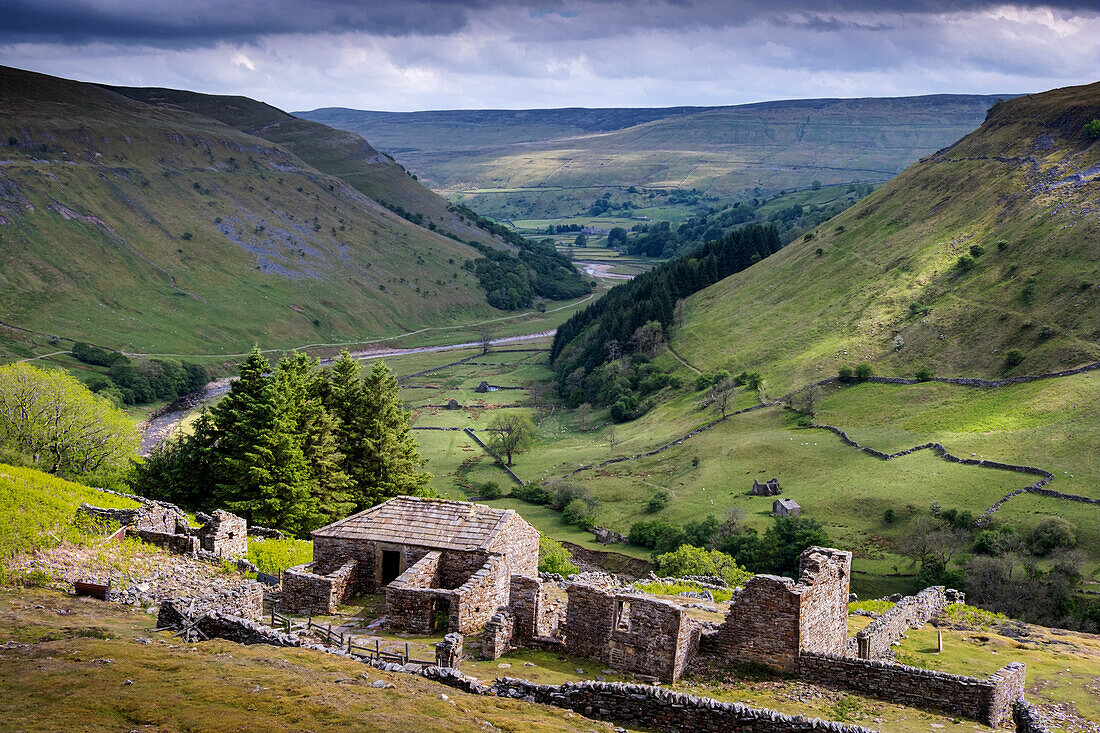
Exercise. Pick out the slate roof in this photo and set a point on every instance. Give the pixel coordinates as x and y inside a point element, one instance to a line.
<point>785,503</point>
<point>436,523</point>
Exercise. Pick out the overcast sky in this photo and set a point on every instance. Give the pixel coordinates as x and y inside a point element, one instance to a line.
<point>444,54</point>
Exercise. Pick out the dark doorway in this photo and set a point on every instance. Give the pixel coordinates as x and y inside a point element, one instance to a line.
<point>391,566</point>
<point>441,616</point>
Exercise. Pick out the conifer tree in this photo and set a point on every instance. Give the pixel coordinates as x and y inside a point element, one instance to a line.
<point>380,454</point>
<point>305,385</point>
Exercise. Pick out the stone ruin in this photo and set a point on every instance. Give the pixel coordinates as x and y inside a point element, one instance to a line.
<point>796,627</point>
<point>768,488</point>
<point>222,535</point>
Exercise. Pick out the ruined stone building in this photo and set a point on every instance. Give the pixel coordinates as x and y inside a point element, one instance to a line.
<point>443,565</point>
<point>786,508</point>
<point>767,488</point>
<point>222,535</point>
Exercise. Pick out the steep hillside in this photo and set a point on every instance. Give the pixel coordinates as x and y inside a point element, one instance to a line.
<point>556,162</point>
<point>152,229</point>
<point>329,150</point>
<point>986,246</point>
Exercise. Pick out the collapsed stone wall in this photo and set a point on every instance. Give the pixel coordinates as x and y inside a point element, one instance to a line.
<point>1028,719</point>
<point>988,701</point>
<point>643,706</point>
<point>305,591</point>
<point>518,542</point>
<point>874,640</point>
<point>245,600</point>
<point>496,637</point>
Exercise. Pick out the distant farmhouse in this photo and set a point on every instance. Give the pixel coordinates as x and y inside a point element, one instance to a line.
<point>443,565</point>
<point>786,508</point>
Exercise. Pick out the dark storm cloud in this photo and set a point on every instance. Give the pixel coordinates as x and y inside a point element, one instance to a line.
<point>180,23</point>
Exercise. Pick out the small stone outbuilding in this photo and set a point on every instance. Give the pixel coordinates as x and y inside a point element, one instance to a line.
<point>786,508</point>
<point>443,565</point>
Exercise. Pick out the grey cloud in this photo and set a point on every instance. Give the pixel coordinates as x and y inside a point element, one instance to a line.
<point>182,23</point>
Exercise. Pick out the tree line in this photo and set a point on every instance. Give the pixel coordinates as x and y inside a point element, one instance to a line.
<point>141,382</point>
<point>292,446</point>
<point>602,331</point>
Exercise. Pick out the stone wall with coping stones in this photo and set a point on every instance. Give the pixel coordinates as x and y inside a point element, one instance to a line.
<point>642,706</point>
<point>874,640</point>
<point>481,596</point>
<point>988,701</point>
<point>306,591</point>
<point>412,602</point>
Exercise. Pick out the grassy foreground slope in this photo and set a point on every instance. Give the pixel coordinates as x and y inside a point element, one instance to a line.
<point>158,230</point>
<point>540,156</point>
<point>883,281</point>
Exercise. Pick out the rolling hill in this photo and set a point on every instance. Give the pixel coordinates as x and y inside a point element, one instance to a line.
<point>153,228</point>
<point>543,163</point>
<point>986,246</point>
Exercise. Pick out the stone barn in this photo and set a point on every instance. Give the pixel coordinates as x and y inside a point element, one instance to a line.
<point>786,508</point>
<point>443,565</point>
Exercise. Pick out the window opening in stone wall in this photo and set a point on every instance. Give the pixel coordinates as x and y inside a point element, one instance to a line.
<point>391,566</point>
<point>622,615</point>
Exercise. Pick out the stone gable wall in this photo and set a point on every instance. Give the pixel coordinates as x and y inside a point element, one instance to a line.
<point>874,640</point>
<point>518,541</point>
<point>988,701</point>
<point>655,708</point>
<point>823,622</point>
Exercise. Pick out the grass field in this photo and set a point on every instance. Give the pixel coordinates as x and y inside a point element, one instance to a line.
<point>844,489</point>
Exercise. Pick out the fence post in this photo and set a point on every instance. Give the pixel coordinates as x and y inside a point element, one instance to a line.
<point>406,652</point>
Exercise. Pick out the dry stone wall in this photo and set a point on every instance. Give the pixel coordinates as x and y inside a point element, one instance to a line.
<point>988,701</point>
<point>305,591</point>
<point>874,640</point>
<point>642,706</point>
<point>1028,719</point>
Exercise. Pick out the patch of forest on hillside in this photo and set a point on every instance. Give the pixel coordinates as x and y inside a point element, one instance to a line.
<point>638,314</point>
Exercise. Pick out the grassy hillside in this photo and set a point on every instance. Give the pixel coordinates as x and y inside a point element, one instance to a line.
<point>883,282</point>
<point>336,152</point>
<point>537,164</point>
<point>159,230</point>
